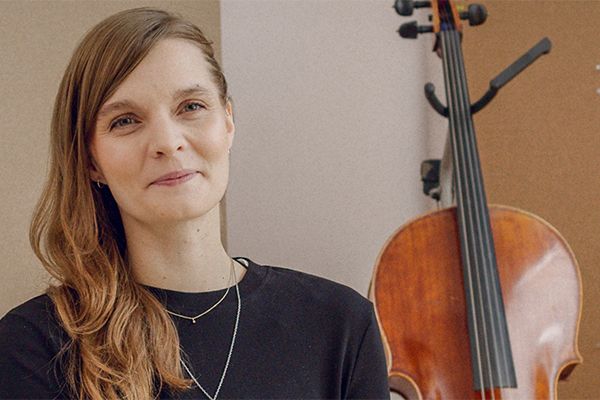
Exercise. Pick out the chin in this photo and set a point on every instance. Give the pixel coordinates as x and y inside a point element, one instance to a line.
<point>185,213</point>
<point>175,209</point>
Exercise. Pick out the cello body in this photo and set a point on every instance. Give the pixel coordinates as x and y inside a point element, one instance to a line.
<point>418,293</point>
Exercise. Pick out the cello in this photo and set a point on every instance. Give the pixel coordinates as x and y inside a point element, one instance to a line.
<point>474,301</point>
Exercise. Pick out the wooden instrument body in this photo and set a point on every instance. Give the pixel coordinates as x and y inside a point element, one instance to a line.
<point>419,297</point>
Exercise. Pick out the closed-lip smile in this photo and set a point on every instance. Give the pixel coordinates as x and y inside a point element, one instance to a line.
<point>171,176</point>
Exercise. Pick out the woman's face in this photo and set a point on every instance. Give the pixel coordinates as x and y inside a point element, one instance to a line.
<point>164,118</point>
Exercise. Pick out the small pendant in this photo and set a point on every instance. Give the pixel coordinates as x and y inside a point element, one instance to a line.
<point>193,320</point>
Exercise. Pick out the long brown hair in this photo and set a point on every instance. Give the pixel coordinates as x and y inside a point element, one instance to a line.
<point>122,342</point>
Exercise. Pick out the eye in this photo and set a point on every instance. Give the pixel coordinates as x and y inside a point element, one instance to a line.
<point>121,122</point>
<point>193,106</point>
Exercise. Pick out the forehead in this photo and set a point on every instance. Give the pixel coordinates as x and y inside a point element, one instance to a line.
<point>170,66</point>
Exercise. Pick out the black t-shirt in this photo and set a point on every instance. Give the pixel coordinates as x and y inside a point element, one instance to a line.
<point>299,337</point>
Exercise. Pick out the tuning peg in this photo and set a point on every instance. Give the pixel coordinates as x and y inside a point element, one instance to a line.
<point>410,30</point>
<point>405,7</point>
<point>476,15</point>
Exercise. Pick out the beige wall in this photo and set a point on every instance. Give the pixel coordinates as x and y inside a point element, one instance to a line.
<point>37,39</point>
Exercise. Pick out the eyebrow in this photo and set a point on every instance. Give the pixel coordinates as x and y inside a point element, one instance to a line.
<point>179,93</point>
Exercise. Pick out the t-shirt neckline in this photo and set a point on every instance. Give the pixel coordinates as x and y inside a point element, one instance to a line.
<point>194,301</point>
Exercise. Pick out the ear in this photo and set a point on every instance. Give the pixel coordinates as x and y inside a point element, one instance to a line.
<point>229,124</point>
<point>95,171</point>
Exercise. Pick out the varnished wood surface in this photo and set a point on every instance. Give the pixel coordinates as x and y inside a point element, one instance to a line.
<point>419,298</point>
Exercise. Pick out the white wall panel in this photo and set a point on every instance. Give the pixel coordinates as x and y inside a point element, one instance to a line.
<point>331,127</point>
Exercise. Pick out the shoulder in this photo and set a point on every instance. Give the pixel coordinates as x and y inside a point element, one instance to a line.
<point>33,310</point>
<point>324,324</point>
<point>30,341</point>
<point>31,321</point>
<point>317,295</point>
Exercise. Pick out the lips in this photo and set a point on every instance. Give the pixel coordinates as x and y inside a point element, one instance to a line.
<point>174,175</point>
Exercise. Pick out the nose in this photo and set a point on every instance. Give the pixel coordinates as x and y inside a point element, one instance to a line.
<point>167,137</point>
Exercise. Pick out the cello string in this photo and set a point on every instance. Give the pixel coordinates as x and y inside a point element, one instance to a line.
<point>459,182</point>
<point>470,207</point>
<point>494,296</point>
<point>477,211</point>
<point>466,227</point>
<point>492,284</point>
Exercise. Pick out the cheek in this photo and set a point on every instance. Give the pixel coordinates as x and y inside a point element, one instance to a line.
<point>213,143</point>
<point>115,161</point>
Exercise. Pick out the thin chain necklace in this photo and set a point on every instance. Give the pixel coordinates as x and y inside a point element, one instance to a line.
<point>235,328</point>
<point>193,319</point>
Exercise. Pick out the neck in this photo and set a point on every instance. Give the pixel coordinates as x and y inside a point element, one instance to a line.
<point>183,256</point>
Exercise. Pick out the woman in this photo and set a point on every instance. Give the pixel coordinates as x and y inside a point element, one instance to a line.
<point>148,303</point>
